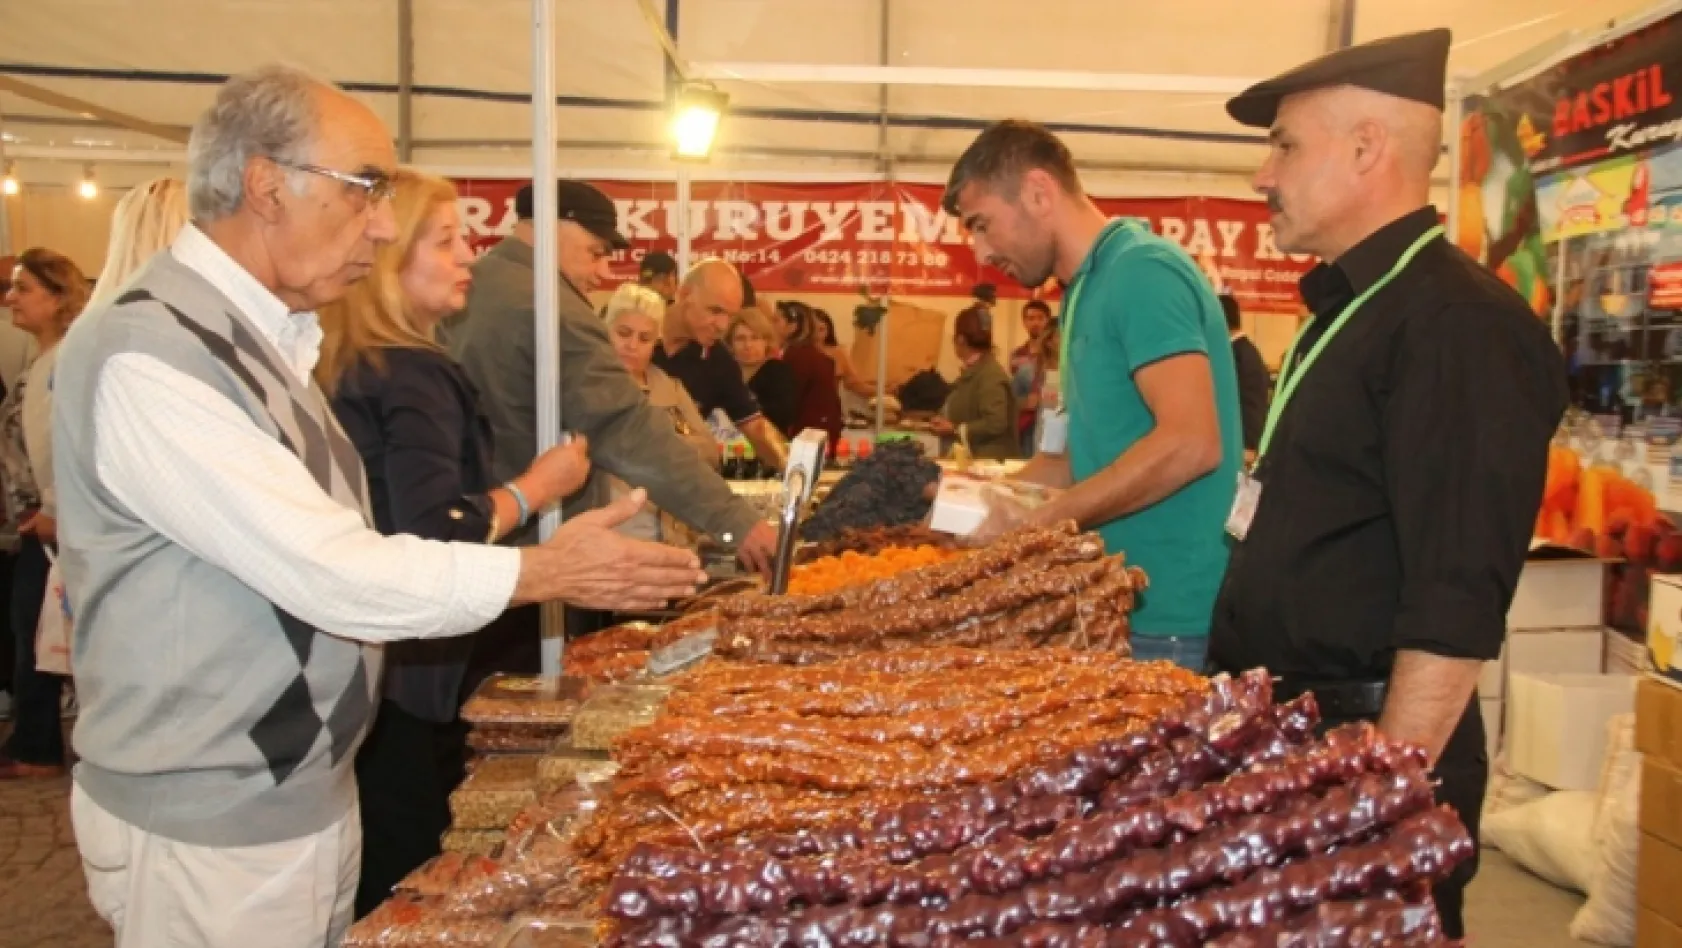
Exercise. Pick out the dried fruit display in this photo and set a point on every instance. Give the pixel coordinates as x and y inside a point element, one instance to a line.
<point>830,573</point>
<point>875,540</point>
<point>884,489</point>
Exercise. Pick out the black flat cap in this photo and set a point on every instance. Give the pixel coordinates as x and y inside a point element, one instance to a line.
<point>582,204</point>
<point>1410,66</point>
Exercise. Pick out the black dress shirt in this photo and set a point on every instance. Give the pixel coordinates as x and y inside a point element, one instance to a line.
<point>1401,487</point>
<point>426,448</point>
<point>713,378</point>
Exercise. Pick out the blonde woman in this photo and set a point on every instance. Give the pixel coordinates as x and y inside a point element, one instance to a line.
<point>146,221</point>
<point>47,292</point>
<point>426,447</point>
<point>633,316</point>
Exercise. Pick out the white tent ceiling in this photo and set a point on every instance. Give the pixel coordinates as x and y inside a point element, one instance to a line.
<point>158,59</point>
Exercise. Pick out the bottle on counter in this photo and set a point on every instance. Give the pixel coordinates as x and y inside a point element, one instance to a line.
<point>865,447</point>
<point>841,455</point>
<point>733,462</point>
<point>750,464</point>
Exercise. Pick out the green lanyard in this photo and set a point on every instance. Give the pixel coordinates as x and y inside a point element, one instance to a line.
<point>1288,379</point>
<point>1066,331</point>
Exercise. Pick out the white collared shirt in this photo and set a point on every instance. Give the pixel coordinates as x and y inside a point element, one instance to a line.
<point>193,466</point>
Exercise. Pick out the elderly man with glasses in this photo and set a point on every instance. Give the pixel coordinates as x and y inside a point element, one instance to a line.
<point>230,595</point>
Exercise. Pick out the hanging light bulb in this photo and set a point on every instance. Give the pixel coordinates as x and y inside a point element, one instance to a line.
<point>9,184</point>
<point>89,188</point>
<point>695,120</point>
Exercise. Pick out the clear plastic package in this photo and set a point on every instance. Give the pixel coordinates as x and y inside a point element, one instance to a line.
<point>490,798</point>
<point>409,921</point>
<point>549,930</point>
<point>515,738</point>
<point>525,700</point>
<point>565,765</point>
<point>472,842</point>
<point>613,710</point>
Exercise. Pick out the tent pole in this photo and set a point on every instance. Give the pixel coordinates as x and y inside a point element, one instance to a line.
<point>405,80</point>
<point>1451,127</point>
<point>5,203</point>
<point>546,332</point>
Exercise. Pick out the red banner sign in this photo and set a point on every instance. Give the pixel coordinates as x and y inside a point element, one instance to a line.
<point>886,237</point>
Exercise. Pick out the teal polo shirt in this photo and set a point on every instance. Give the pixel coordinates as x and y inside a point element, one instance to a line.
<point>1138,299</point>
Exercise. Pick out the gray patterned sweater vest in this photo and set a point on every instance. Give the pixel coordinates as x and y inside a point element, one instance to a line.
<point>209,715</point>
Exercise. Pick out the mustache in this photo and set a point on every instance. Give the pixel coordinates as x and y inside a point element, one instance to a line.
<point>1274,203</point>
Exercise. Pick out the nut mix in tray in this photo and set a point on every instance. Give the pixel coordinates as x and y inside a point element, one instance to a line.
<point>565,766</point>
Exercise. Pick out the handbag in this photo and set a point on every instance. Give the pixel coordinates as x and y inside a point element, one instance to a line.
<point>53,631</point>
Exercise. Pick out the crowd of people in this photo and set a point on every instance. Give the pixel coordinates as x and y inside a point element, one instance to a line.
<point>287,459</point>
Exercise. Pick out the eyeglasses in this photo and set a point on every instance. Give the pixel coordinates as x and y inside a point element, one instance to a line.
<point>377,185</point>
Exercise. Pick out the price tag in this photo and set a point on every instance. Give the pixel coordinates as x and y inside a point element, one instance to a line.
<point>1244,504</point>
<point>682,653</point>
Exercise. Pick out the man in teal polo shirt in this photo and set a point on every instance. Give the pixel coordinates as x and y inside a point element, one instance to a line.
<point>1154,440</point>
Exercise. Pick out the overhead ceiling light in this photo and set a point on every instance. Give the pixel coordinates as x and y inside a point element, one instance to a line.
<point>89,188</point>
<point>9,184</point>
<point>695,119</point>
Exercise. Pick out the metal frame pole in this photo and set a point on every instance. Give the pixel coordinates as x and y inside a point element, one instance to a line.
<point>545,329</point>
<point>5,202</point>
<point>405,80</point>
<point>1451,127</point>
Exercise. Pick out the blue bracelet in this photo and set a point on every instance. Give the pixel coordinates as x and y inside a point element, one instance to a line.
<point>520,501</point>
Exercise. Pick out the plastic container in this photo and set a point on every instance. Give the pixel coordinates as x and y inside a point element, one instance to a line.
<point>524,700</point>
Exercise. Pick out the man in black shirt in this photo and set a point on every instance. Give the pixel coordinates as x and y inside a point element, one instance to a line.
<point>1402,463</point>
<point>690,351</point>
<point>1253,384</point>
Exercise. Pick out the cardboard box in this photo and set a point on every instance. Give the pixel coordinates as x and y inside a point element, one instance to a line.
<point>1652,931</point>
<point>1658,877</point>
<point>1624,654</point>
<point>1664,627</point>
<point>1658,720</point>
<point>1661,801</point>
<point>960,506</point>
<point>1555,651</point>
<point>1556,725</point>
<point>1494,709</point>
<point>1559,588</point>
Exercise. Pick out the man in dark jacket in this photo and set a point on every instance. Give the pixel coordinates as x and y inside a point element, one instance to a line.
<point>1253,383</point>
<point>493,340</point>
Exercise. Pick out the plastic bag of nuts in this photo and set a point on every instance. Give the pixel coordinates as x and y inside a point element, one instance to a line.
<point>472,842</point>
<point>613,710</point>
<point>520,699</point>
<point>410,921</point>
<point>494,793</point>
<point>563,766</point>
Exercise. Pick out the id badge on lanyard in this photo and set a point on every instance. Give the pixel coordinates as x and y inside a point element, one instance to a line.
<point>1244,504</point>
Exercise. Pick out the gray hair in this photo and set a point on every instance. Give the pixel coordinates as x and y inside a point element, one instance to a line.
<point>269,112</point>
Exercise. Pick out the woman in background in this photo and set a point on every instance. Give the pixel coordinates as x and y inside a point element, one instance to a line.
<point>425,445</point>
<point>983,400</point>
<point>816,393</point>
<point>48,291</point>
<point>752,341</point>
<point>145,221</point>
<point>844,371</point>
<point>634,316</point>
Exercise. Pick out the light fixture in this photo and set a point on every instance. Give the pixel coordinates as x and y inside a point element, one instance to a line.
<point>695,119</point>
<point>9,184</point>
<point>89,188</point>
